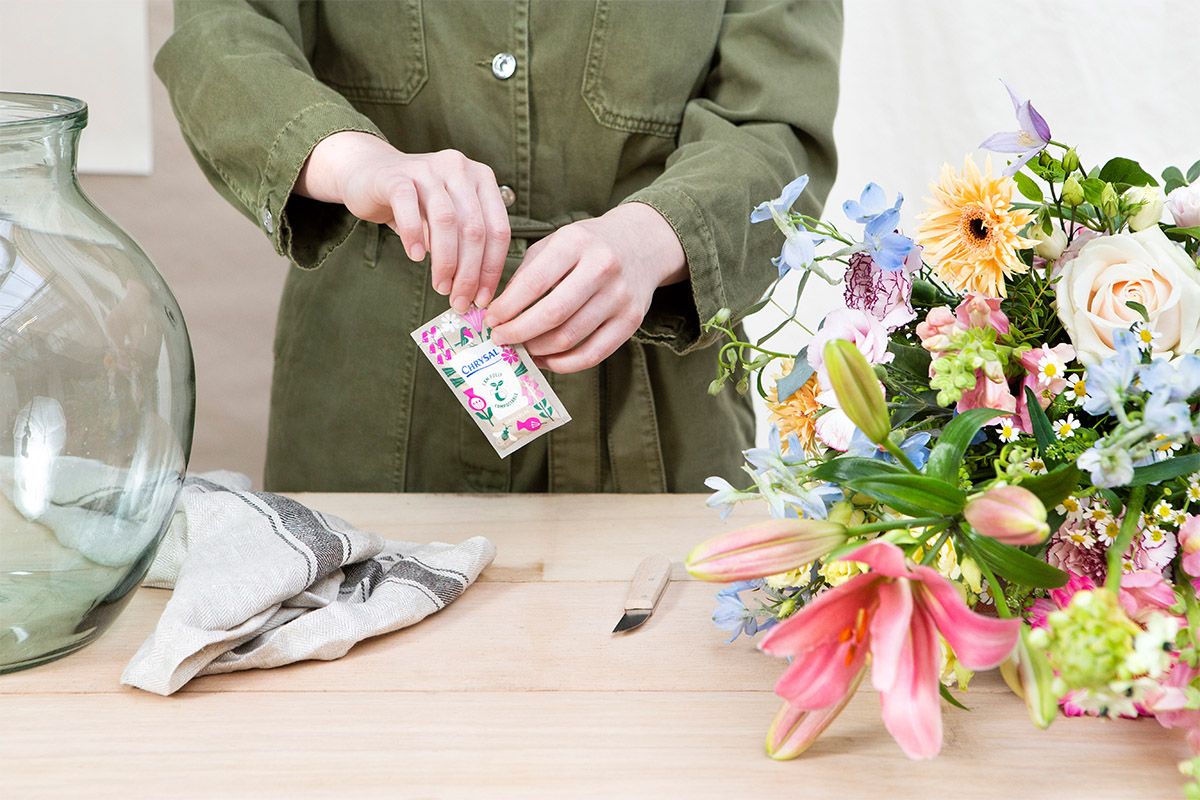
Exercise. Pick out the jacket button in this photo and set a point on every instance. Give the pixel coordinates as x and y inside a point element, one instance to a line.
<point>508,196</point>
<point>267,221</point>
<point>504,65</point>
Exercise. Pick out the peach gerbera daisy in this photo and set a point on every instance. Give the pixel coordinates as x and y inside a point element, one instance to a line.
<point>971,233</point>
<point>796,414</point>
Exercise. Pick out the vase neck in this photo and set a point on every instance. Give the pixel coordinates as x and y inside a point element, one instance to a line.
<point>39,138</point>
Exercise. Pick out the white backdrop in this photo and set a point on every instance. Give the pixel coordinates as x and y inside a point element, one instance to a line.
<point>96,50</point>
<point>921,86</point>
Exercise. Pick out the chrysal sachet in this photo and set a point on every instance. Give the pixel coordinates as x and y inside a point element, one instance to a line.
<point>498,384</point>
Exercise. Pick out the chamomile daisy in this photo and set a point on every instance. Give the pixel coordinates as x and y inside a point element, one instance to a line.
<point>1050,366</point>
<point>1146,336</point>
<point>1008,430</point>
<point>1077,389</point>
<point>1065,428</point>
<point>1163,510</point>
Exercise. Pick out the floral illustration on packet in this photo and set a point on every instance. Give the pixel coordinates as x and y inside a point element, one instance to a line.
<point>498,385</point>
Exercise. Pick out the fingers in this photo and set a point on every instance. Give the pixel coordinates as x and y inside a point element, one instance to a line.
<point>472,236</point>
<point>562,319</point>
<point>599,346</point>
<point>442,218</point>
<point>495,249</point>
<point>406,219</point>
<point>537,274</point>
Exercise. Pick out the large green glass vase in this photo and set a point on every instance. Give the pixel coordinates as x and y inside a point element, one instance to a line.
<point>97,395</point>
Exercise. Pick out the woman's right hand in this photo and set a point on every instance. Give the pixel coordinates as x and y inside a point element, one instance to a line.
<point>439,203</point>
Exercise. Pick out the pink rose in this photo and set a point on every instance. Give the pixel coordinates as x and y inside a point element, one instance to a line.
<point>853,325</point>
<point>1184,205</point>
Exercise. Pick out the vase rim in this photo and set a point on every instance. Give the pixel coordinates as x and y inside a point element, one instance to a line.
<point>20,110</point>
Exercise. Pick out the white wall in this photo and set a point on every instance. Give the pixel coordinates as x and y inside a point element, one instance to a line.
<point>96,50</point>
<point>921,86</point>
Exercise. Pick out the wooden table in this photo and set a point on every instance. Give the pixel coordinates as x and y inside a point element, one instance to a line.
<point>518,689</point>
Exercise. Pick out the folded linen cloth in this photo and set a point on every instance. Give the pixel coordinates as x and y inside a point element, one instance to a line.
<point>260,581</point>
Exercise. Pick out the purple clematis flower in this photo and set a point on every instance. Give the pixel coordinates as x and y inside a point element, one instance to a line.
<point>1027,142</point>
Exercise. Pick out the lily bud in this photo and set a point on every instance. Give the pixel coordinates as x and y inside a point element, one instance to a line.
<point>766,548</point>
<point>1027,672</point>
<point>1072,192</point>
<point>1146,204</point>
<point>1010,514</point>
<point>858,391</point>
<point>793,730</point>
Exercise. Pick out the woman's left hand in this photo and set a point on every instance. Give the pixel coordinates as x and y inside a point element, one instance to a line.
<point>595,280</point>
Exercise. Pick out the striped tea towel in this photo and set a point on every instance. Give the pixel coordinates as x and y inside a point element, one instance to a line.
<point>260,581</point>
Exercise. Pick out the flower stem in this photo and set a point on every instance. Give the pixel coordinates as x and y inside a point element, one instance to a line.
<point>937,548</point>
<point>1133,509</point>
<point>1002,608</point>
<point>893,524</point>
<point>892,448</point>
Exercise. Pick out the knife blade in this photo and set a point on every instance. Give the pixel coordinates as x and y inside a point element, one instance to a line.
<point>647,586</point>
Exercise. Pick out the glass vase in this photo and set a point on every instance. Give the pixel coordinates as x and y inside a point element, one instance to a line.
<point>97,395</point>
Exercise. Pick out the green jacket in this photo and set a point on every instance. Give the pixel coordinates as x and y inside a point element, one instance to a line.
<point>701,109</point>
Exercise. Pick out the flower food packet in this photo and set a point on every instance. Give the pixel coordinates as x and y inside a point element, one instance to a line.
<point>498,385</point>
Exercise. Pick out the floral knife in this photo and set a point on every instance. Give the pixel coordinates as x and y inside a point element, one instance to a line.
<point>647,587</point>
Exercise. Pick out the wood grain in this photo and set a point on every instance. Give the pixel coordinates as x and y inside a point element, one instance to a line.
<point>518,689</point>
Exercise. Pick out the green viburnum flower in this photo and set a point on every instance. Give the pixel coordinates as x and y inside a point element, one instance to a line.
<point>1103,656</point>
<point>974,349</point>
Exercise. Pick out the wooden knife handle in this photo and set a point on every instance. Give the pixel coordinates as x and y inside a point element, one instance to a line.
<point>648,584</point>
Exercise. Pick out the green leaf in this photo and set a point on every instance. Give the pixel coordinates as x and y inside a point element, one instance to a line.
<point>1027,187</point>
<point>789,384</point>
<point>1016,565</point>
<point>1115,504</point>
<point>1193,172</point>
<point>1172,185</point>
<point>1192,232</point>
<point>1141,309</point>
<point>1092,189</point>
<point>914,495</point>
<point>1173,174</point>
<point>1165,470</point>
<point>913,360</point>
<point>1041,423</point>
<point>949,698</point>
<point>1125,170</point>
<point>848,468</point>
<point>953,442</point>
<point>1055,486</point>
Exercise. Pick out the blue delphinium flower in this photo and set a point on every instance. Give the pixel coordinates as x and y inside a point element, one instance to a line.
<point>800,244</point>
<point>724,496</point>
<point>1108,467</point>
<point>1027,142</point>
<point>1178,379</point>
<point>782,204</point>
<point>1108,381</point>
<point>915,447</point>
<point>870,204</point>
<point>1165,416</point>
<point>731,613</point>
<point>772,456</point>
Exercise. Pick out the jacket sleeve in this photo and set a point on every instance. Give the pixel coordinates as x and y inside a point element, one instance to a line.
<point>764,116</point>
<point>251,111</point>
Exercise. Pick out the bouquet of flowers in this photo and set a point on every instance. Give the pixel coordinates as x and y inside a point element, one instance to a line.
<point>988,458</point>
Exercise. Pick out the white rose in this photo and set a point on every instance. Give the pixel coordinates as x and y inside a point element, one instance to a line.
<point>1048,247</point>
<point>1184,205</point>
<point>1151,202</point>
<point>1143,267</point>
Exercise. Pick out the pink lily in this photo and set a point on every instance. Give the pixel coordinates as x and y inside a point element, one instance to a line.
<point>894,613</point>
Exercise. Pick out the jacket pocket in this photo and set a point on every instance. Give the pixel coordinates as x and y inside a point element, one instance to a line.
<point>372,51</point>
<point>646,60</point>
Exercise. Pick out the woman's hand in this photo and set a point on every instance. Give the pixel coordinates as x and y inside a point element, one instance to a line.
<point>441,203</point>
<point>598,277</point>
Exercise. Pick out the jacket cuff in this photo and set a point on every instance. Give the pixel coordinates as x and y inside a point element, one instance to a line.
<point>306,231</point>
<point>677,311</point>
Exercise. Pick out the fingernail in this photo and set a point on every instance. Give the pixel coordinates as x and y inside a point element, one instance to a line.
<point>483,297</point>
<point>443,288</point>
<point>460,304</point>
<point>417,252</point>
